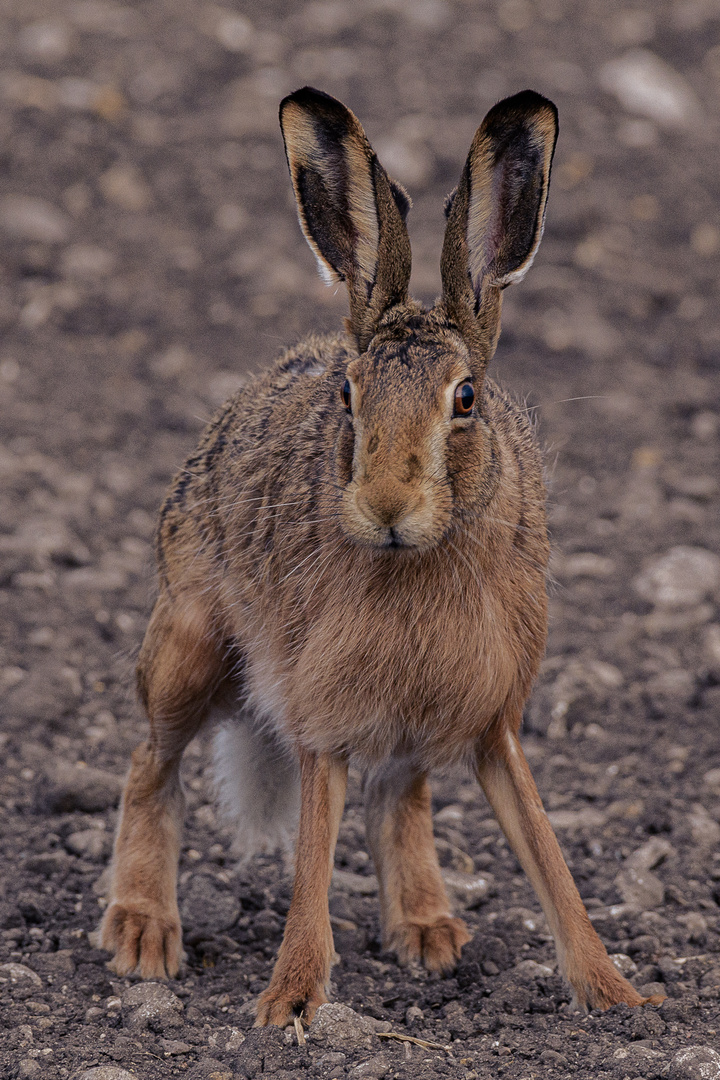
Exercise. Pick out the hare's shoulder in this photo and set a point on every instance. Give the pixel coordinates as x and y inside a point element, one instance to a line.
<point>264,437</point>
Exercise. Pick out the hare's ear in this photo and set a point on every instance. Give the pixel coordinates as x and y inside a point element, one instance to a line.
<point>496,213</point>
<point>352,214</point>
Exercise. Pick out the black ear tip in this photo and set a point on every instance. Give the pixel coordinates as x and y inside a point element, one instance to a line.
<point>307,97</point>
<point>524,104</point>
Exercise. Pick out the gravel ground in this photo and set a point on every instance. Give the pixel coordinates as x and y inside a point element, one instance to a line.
<point>150,258</point>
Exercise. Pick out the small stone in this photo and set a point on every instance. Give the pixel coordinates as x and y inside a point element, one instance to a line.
<point>151,1005</point>
<point>373,1069</point>
<point>365,885</point>
<point>647,86</point>
<point>414,1015</point>
<point>711,780</point>
<point>586,818</point>
<point>682,577</point>
<point>16,973</point>
<point>651,854</point>
<point>45,41</point>
<point>174,1046</point>
<point>530,969</point>
<point>673,685</point>
<point>625,964</point>
<point>696,926</point>
<point>337,1025</point>
<point>90,843</point>
<point>695,1063</point>
<point>261,1051</point>
<point>72,787</point>
<point>125,186</point>
<point>331,1062</point>
<point>586,564</point>
<point>704,830</point>
<point>47,863</point>
<point>28,1068</point>
<point>209,906</point>
<point>468,890</point>
<point>28,218</point>
<point>107,1072</point>
<point>640,887</point>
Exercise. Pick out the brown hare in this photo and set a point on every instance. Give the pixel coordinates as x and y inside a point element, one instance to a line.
<point>353,564</point>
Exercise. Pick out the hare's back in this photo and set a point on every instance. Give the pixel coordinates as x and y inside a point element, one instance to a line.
<point>261,452</point>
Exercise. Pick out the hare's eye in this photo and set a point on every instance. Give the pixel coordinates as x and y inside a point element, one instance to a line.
<point>464,399</point>
<point>345,394</point>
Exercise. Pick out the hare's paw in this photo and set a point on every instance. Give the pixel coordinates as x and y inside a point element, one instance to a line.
<point>437,945</point>
<point>282,1001</point>
<point>608,988</point>
<point>146,942</point>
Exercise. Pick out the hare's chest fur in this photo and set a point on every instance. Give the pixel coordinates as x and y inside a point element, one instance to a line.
<point>388,671</point>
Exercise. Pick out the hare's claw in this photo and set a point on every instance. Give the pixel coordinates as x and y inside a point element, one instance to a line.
<point>436,945</point>
<point>149,943</point>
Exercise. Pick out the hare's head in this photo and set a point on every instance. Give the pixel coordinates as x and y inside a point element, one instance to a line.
<point>415,451</point>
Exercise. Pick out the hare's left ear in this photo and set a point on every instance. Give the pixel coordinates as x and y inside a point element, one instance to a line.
<point>496,213</point>
<point>352,214</point>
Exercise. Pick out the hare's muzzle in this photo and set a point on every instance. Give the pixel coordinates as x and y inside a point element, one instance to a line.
<point>391,515</point>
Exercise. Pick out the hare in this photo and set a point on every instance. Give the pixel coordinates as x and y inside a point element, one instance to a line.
<point>353,564</point>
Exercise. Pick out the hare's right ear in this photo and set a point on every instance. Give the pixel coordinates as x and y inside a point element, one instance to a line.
<point>352,214</point>
<point>496,213</point>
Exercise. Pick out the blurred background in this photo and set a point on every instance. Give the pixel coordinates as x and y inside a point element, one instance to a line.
<point>150,257</point>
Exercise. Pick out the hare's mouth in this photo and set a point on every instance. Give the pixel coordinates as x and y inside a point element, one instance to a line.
<point>402,528</point>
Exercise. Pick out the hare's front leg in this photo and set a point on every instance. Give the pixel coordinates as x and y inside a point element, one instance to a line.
<point>302,971</point>
<point>180,666</point>
<point>415,911</point>
<point>507,781</point>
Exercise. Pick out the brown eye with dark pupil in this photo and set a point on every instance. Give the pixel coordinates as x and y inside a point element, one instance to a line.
<point>345,394</point>
<point>464,399</point>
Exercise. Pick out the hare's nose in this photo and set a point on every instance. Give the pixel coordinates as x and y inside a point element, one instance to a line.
<point>388,505</point>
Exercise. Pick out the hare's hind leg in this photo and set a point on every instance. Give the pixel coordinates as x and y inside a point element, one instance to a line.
<point>179,669</point>
<point>510,789</point>
<point>417,922</point>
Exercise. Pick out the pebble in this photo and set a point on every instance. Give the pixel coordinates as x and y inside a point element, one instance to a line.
<point>15,973</point>
<point>587,818</point>
<point>72,787</point>
<point>90,843</point>
<point>624,963</point>
<point>703,829</point>
<point>640,887</point>
<point>585,564</point>
<point>675,684</point>
<point>364,884</point>
<point>337,1025</point>
<point>151,1005</point>
<point>711,779</point>
<point>468,890</point>
<point>209,906</point>
<point>107,1072</point>
<point>28,1068</point>
<point>373,1069</point>
<point>647,86</point>
<point>695,1063</point>
<point>650,854</point>
<point>682,577</point>
<point>125,186</point>
<point>45,41</point>
<point>28,218</point>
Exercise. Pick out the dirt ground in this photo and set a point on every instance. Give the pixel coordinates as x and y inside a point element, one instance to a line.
<point>150,258</point>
